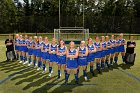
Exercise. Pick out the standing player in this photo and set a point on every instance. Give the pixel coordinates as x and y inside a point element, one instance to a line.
<point>112,41</point>
<point>117,43</point>
<point>82,58</point>
<point>34,50</point>
<point>45,53</point>
<point>17,46</point>
<point>21,48</point>
<point>53,56</point>
<point>61,56</point>
<point>30,50</point>
<point>72,64</point>
<point>38,52</point>
<point>91,54</point>
<point>98,53</point>
<point>103,53</point>
<point>108,45</point>
<point>25,49</point>
<point>121,48</point>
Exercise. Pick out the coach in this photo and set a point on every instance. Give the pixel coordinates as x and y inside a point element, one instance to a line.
<point>10,49</point>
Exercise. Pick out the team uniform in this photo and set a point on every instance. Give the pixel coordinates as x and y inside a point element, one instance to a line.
<point>121,48</point>
<point>61,58</point>
<point>103,52</point>
<point>117,46</point>
<point>16,44</point>
<point>53,57</point>
<point>82,60</point>
<point>113,46</point>
<point>72,63</point>
<point>108,51</point>
<point>98,53</point>
<point>25,49</point>
<point>34,51</point>
<point>45,55</point>
<point>30,50</point>
<point>91,56</point>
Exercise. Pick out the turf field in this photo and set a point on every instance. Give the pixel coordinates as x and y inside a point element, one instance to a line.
<point>18,78</point>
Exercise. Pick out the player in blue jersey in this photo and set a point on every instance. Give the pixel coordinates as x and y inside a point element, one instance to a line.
<point>45,53</point>
<point>53,56</point>
<point>21,48</point>
<point>30,50</point>
<point>17,46</point>
<point>98,46</point>
<point>117,43</point>
<point>91,54</point>
<point>112,41</point>
<point>38,52</point>
<point>35,41</point>
<point>121,48</point>
<point>103,53</point>
<point>61,57</point>
<point>72,63</point>
<point>108,51</point>
<point>82,58</point>
<point>25,49</point>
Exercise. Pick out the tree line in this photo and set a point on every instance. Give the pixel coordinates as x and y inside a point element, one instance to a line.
<point>103,16</point>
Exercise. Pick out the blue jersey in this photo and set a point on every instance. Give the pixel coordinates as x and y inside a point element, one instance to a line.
<point>39,44</point>
<point>112,43</point>
<point>97,45</point>
<point>108,43</point>
<point>53,47</point>
<point>82,60</point>
<point>82,51</point>
<point>73,52</point>
<point>117,42</point>
<point>45,46</point>
<point>91,56</point>
<point>90,47</point>
<point>104,44</point>
<point>20,41</point>
<point>122,42</point>
<point>17,41</point>
<point>29,43</point>
<point>62,49</point>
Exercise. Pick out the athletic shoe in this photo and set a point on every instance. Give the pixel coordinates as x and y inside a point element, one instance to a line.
<point>38,69</point>
<point>25,62</point>
<point>20,62</point>
<point>50,74</point>
<point>52,71</point>
<point>85,78</point>
<point>29,64</point>
<point>60,74</point>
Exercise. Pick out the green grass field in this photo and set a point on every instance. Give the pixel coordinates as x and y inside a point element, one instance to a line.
<point>120,79</point>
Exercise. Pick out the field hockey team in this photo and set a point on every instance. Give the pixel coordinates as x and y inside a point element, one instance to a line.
<point>38,52</point>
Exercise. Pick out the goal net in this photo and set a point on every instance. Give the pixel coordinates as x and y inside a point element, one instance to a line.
<point>71,34</point>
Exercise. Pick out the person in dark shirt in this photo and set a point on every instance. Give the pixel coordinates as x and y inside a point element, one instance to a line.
<point>131,44</point>
<point>10,48</point>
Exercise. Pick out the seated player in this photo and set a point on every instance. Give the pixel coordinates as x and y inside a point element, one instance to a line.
<point>82,58</point>
<point>91,54</point>
<point>72,63</point>
<point>61,57</point>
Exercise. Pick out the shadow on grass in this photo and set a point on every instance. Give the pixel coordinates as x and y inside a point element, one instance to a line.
<point>46,87</point>
<point>30,79</point>
<point>39,82</point>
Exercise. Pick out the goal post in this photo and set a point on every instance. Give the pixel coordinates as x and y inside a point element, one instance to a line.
<point>71,34</point>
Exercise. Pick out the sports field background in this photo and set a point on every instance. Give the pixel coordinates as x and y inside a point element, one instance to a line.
<point>120,79</point>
